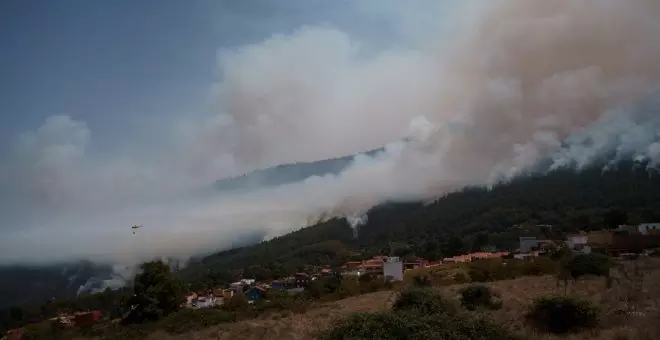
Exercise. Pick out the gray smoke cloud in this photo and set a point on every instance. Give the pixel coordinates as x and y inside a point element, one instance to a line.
<point>512,83</point>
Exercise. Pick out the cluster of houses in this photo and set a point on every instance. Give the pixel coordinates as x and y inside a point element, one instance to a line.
<point>77,319</point>
<point>621,240</point>
<point>252,290</point>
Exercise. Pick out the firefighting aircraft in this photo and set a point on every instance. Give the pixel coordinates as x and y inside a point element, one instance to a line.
<point>136,227</point>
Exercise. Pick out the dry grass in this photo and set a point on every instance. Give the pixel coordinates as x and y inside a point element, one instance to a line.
<point>296,326</point>
<point>519,293</point>
<point>516,295</point>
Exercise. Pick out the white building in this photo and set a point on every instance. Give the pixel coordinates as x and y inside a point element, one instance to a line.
<point>523,256</point>
<point>644,228</point>
<point>576,241</point>
<point>393,269</point>
<point>527,243</point>
<point>205,302</point>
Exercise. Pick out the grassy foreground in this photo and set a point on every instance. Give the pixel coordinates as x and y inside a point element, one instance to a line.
<point>630,310</point>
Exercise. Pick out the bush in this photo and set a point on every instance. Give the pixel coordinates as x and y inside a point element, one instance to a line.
<point>563,314</point>
<point>591,264</point>
<point>421,281</point>
<point>497,269</point>
<point>414,326</point>
<point>539,266</point>
<point>189,319</point>
<point>488,270</point>
<point>461,277</point>
<point>475,296</point>
<point>236,303</point>
<point>296,303</point>
<point>423,301</point>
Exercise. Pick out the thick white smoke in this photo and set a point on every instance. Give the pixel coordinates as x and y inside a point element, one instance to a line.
<point>520,81</point>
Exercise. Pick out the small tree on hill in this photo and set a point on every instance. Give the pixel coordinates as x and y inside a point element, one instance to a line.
<point>156,293</point>
<point>582,265</point>
<point>475,296</point>
<point>563,314</point>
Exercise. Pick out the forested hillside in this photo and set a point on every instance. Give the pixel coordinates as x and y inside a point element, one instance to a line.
<point>20,285</point>
<point>457,222</point>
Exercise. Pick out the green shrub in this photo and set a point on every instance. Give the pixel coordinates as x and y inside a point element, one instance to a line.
<point>414,326</point>
<point>188,319</point>
<point>461,277</point>
<point>563,314</point>
<point>347,288</point>
<point>421,281</point>
<point>423,301</point>
<point>296,303</point>
<point>475,296</point>
<point>236,303</point>
<point>539,266</point>
<point>498,269</point>
<point>591,264</point>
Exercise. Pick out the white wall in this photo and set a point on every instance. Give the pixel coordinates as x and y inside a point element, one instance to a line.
<point>393,269</point>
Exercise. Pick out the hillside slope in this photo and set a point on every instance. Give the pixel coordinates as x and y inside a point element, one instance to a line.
<point>287,173</point>
<point>22,285</point>
<point>457,222</point>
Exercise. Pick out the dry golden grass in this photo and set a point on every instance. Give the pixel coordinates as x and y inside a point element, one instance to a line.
<point>516,295</point>
<point>294,326</point>
<point>519,293</point>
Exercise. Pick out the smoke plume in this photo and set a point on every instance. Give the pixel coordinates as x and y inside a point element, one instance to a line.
<point>515,83</point>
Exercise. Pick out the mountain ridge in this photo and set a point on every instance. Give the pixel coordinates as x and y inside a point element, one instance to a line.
<point>288,173</point>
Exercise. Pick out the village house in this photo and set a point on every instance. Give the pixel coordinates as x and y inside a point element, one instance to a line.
<point>417,262</point>
<point>241,285</point>
<point>528,243</point>
<point>206,301</point>
<point>86,318</point>
<point>15,334</point>
<point>227,294</point>
<point>578,243</point>
<point>474,256</point>
<point>648,228</point>
<point>626,228</point>
<point>393,269</point>
<point>525,256</point>
<point>255,293</point>
<point>376,266</point>
<point>600,238</point>
<point>576,240</point>
<point>302,280</point>
<point>353,272</point>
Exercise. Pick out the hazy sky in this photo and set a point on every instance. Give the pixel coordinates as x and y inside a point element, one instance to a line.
<point>119,112</point>
<point>106,102</point>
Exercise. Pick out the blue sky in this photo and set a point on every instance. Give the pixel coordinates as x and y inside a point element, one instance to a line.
<point>111,63</point>
<point>121,65</point>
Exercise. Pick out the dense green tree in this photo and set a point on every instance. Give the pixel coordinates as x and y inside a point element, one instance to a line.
<point>156,293</point>
<point>480,241</point>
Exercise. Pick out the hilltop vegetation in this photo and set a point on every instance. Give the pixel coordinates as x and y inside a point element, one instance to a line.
<point>287,173</point>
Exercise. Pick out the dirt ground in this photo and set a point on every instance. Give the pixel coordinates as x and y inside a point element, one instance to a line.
<point>630,309</point>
